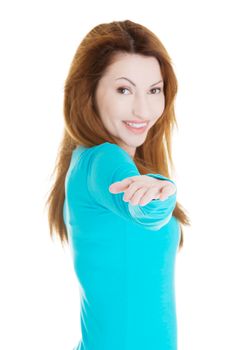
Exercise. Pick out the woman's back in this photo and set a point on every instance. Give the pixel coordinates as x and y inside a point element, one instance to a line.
<point>124,255</point>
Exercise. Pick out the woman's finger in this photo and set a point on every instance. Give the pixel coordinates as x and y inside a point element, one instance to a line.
<point>149,195</point>
<point>132,189</point>
<point>120,186</point>
<point>165,192</point>
<point>135,198</point>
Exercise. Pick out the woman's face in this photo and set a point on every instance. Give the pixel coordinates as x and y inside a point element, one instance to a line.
<point>130,90</point>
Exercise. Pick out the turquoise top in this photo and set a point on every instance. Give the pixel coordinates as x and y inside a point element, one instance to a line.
<point>123,254</point>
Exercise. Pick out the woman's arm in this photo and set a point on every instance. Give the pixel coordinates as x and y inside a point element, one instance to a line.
<point>108,164</point>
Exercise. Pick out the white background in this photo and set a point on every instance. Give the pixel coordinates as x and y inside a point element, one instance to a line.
<point>39,301</point>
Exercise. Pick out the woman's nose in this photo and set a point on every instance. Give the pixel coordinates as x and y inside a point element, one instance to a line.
<point>141,108</point>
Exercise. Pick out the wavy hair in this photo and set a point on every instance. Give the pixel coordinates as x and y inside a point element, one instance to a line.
<point>83,125</point>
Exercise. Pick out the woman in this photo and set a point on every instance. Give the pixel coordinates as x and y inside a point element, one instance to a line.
<point>113,200</point>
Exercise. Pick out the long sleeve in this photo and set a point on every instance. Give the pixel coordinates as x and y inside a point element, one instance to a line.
<point>109,163</point>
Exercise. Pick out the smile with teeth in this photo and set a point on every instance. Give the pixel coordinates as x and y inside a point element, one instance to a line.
<point>136,125</point>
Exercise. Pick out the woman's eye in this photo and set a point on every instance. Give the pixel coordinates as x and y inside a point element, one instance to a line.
<point>121,89</point>
<point>157,89</point>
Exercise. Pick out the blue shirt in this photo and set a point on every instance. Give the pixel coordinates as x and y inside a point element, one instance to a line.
<point>123,254</point>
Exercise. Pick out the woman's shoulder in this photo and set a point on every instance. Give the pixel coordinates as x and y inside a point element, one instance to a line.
<point>103,149</point>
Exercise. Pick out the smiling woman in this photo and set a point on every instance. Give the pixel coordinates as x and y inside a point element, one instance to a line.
<point>113,199</point>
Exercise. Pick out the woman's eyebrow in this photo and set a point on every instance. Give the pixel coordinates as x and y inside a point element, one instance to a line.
<point>135,84</point>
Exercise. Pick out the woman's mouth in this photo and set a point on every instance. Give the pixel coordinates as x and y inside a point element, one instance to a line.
<point>136,128</point>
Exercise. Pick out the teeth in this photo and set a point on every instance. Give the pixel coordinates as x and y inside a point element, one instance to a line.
<point>138,125</point>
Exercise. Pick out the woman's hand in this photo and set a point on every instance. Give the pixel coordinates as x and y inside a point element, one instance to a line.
<point>141,189</point>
